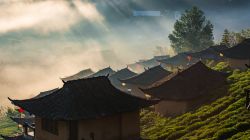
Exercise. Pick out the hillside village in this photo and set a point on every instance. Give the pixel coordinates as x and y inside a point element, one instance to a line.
<point>124,70</point>
<point>193,95</point>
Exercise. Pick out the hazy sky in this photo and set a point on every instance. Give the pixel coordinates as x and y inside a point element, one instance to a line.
<point>41,41</point>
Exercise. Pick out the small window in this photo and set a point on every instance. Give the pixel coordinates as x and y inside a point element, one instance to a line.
<point>50,126</point>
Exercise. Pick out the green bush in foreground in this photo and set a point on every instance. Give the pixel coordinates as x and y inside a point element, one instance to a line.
<point>8,127</point>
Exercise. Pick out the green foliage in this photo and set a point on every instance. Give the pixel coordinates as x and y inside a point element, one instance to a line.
<point>8,127</point>
<point>11,112</point>
<point>222,67</point>
<point>226,38</point>
<point>192,32</point>
<point>225,133</point>
<point>225,118</point>
<point>233,38</point>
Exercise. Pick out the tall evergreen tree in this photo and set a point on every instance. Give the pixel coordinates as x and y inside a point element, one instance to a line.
<point>226,38</point>
<point>192,32</point>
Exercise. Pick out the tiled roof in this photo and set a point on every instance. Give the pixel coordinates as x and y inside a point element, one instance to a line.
<point>148,77</point>
<point>83,99</point>
<point>195,81</point>
<point>45,93</point>
<point>121,74</point>
<point>212,52</point>
<point>240,51</point>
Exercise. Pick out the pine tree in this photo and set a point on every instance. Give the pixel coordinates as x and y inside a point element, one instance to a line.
<point>226,38</point>
<point>192,32</point>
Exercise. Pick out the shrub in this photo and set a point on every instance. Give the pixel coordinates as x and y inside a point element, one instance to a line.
<point>243,126</point>
<point>225,133</point>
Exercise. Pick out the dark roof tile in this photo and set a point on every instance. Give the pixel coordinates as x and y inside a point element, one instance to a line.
<point>148,77</point>
<point>240,51</point>
<point>121,74</point>
<point>191,83</point>
<point>45,93</point>
<point>212,52</point>
<point>83,99</point>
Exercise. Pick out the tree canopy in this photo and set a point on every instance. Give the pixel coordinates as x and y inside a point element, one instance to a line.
<point>225,38</point>
<point>233,38</point>
<point>192,32</point>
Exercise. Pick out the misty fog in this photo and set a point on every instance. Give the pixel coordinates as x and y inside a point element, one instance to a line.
<point>41,41</point>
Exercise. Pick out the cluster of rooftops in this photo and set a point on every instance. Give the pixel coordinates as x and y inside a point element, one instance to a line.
<point>92,95</point>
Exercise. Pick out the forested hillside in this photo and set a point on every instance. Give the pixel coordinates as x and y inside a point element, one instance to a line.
<point>225,118</point>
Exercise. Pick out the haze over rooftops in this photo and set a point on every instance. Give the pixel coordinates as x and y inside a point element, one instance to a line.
<point>179,59</point>
<point>148,77</point>
<point>103,72</point>
<point>197,80</point>
<point>153,61</point>
<point>240,51</point>
<point>83,99</point>
<point>142,64</point>
<point>79,75</point>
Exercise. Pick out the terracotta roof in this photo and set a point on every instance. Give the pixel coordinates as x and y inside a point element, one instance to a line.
<point>148,77</point>
<point>212,52</point>
<point>79,75</point>
<point>179,59</point>
<point>103,72</point>
<point>197,80</point>
<point>83,99</point>
<point>21,137</point>
<point>121,74</point>
<point>240,51</point>
<point>45,93</point>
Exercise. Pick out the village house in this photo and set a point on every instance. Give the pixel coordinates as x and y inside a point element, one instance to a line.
<point>144,79</point>
<point>86,109</point>
<point>186,90</point>
<point>238,56</point>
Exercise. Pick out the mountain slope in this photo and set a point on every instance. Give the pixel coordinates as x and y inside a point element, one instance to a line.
<point>225,118</point>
